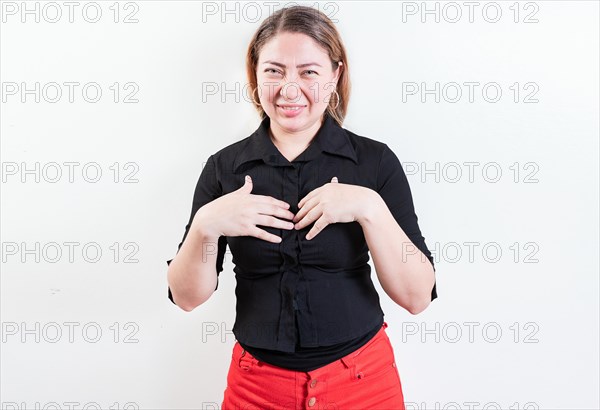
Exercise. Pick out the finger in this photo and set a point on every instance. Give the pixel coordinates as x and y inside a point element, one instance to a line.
<point>334,179</point>
<point>270,200</point>
<point>264,235</point>
<point>247,187</point>
<point>275,210</point>
<point>312,215</point>
<point>267,220</point>
<point>306,208</point>
<point>308,197</point>
<point>319,225</point>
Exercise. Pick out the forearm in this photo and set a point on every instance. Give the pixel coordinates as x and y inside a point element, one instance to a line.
<point>404,272</point>
<point>192,274</point>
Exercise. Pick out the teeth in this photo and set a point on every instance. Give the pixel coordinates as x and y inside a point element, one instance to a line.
<point>291,108</point>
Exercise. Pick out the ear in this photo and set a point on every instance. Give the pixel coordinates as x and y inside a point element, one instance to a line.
<point>338,72</point>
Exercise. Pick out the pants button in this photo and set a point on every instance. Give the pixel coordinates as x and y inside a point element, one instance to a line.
<point>312,401</point>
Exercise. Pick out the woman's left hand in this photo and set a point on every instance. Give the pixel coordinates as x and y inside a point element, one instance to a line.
<point>332,203</point>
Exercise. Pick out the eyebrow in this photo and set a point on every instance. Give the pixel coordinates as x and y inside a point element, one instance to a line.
<point>283,65</point>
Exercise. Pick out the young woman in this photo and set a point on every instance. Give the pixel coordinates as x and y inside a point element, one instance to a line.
<point>300,203</point>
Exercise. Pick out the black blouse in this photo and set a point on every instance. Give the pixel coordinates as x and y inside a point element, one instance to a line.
<point>298,295</point>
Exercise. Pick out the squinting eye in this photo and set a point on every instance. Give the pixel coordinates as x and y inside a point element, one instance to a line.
<point>274,71</point>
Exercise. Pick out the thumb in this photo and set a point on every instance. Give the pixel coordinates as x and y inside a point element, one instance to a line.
<point>247,187</point>
<point>334,179</point>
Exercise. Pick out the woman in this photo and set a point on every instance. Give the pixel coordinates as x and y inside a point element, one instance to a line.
<point>300,203</point>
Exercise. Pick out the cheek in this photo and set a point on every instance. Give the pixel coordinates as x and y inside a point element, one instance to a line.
<point>322,93</point>
<point>266,90</point>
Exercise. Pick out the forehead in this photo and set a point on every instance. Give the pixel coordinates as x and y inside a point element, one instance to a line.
<point>292,47</point>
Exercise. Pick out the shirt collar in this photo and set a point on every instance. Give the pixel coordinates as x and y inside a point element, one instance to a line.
<point>330,138</point>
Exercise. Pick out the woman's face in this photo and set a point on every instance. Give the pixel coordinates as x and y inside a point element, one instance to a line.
<point>293,71</point>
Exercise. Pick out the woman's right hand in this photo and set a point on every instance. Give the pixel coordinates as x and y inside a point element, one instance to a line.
<point>238,213</point>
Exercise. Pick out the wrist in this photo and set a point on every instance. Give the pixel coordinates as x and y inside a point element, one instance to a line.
<point>371,208</point>
<point>203,229</point>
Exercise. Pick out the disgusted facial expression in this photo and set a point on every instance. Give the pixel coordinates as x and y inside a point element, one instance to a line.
<point>295,81</point>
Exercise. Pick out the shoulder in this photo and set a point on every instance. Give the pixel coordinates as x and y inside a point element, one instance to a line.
<point>232,149</point>
<point>225,157</point>
<point>378,157</point>
<point>363,141</point>
<point>367,148</point>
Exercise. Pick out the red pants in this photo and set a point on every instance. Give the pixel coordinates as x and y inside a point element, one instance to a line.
<point>364,379</point>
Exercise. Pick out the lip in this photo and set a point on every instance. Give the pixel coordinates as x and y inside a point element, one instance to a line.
<point>290,113</point>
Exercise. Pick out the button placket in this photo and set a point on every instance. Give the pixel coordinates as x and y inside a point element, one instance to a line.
<point>316,391</point>
<point>306,322</point>
<point>289,269</point>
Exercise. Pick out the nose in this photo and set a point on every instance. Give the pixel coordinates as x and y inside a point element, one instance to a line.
<point>291,92</point>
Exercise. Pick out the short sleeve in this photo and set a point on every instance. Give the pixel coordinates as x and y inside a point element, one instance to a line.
<point>393,187</point>
<point>207,190</point>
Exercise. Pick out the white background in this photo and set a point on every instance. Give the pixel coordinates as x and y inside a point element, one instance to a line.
<point>541,293</point>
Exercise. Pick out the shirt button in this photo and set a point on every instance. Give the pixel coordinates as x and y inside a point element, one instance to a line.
<point>312,401</point>
<point>313,383</point>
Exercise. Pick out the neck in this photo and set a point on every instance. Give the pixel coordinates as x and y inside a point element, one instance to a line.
<point>292,144</point>
<point>293,140</point>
